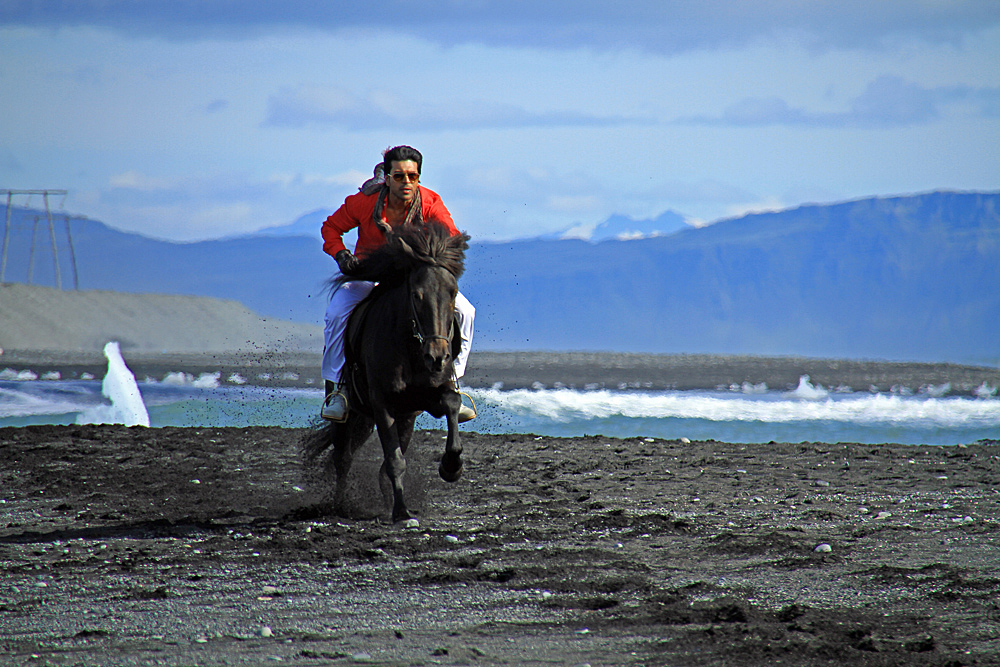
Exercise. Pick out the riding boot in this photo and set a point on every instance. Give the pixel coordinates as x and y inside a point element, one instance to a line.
<point>335,406</point>
<point>466,413</point>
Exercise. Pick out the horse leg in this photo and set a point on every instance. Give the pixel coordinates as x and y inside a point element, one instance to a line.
<point>404,430</point>
<point>451,463</point>
<point>350,436</point>
<point>394,465</point>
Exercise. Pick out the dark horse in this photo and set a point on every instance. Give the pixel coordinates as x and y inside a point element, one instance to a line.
<point>400,349</point>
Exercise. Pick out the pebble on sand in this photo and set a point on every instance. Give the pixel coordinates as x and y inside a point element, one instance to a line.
<point>823,548</point>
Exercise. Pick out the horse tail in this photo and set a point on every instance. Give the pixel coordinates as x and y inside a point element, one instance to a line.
<point>317,440</point>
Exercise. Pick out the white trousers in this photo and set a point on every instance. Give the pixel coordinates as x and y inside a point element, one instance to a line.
<point>342,304</point>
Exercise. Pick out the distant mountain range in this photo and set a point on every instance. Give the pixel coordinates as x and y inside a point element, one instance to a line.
<point>624,228</point>
<point>914,278</point>
<point>617,227</point>
<point>892,278</point>
<point>305,225</point>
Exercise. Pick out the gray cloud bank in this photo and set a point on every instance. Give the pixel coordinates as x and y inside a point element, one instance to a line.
<point>317,106</point>
<point>666,27</point>
<point>888,101</point>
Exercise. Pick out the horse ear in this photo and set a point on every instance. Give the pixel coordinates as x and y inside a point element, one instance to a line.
<point>406,248</point>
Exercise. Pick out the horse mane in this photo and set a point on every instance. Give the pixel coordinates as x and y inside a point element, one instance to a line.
<point>408,247</point>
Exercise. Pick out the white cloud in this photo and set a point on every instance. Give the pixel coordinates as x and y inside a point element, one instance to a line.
<point>133,180</point>
<point>574,203</point>
<point>349,178</point>
<point>196,208</point>
<point>539,122</point>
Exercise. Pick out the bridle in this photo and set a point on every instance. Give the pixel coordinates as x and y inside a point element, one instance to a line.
<point>415,319</point>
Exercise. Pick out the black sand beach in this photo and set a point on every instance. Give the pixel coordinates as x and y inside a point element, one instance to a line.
<point>174,546</point>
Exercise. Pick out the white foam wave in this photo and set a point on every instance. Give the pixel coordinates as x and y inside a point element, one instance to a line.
<point>10,374</point>
<point>808,392</point>
<point>203,381</point>
<point>120,388</point>
<point>936,390</point>
<point>985,390</point>
<point>14,403</point>
<point>802,405</point>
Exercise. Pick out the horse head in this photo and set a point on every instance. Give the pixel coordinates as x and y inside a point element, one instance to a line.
<point>426,260</point>
<point>432,292</point>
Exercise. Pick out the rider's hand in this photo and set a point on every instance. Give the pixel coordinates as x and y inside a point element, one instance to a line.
<point>347,262</point>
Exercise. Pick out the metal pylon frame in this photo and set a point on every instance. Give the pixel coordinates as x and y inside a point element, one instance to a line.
<point>52,235</point>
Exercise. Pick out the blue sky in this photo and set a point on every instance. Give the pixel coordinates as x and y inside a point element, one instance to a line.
<point>193,119</point>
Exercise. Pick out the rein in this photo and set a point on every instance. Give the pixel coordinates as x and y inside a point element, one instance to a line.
<point>415,319</point>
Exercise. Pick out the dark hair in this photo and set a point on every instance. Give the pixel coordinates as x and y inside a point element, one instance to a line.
<point>408,247</point>
<point>399,154</point>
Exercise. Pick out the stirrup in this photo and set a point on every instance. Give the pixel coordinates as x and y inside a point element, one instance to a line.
<point>335,408</point>
<point>466,413</point>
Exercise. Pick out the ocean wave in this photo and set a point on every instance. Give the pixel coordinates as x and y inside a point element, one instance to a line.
<point>750,413</point>
<point>801,405</point>
<point>22,402</point>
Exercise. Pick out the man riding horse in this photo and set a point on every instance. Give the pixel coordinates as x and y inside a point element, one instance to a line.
<point>392,198</point>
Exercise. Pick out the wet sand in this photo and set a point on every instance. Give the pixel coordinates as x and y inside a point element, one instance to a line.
<point>180,546</point>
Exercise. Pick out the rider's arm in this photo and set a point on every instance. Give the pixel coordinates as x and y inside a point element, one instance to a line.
<point>343,220</point>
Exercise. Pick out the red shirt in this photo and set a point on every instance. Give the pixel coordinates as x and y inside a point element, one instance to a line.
<point>357,212</point>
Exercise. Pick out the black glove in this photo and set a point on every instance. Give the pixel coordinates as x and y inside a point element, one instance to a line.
<point>347,262</point>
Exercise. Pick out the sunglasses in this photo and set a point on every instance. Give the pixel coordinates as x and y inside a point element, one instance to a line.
<point>399,177</point>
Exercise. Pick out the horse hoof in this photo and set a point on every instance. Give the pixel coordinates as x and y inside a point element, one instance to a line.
<point>450,475</point>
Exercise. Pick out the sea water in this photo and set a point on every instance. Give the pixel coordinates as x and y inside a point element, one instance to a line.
<point>744,414</point>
